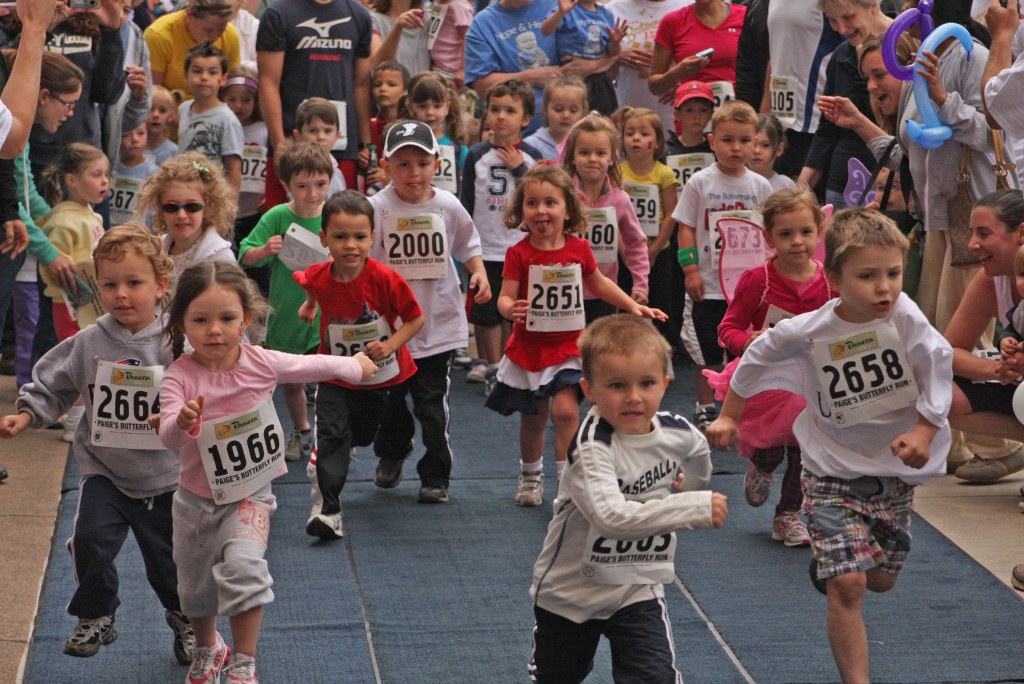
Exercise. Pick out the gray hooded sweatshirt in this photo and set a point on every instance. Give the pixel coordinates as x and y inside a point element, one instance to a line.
<point>69,370</point>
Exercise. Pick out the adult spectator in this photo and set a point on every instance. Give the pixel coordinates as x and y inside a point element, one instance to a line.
<point>833,146</point>
<point>801,42</point>
<point>752,54</point>
<point>171,36</point>
<point>643,17</point>
<point>505,41</point>
<point>91,39</point>
<point>684,33</point>
<point>408,45</point>
<point>319,48</point>
<point>247,26</point>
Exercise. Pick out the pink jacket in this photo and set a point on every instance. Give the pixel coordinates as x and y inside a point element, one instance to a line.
<point>632,241</point>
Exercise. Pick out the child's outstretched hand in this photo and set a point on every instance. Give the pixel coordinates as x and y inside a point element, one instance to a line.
<point>719,509</point>
<point>190,412</point>
<point>912,448</point>
<point>307,312</point>
<point>722,433</point>
<point>519,310</point>
<point>648,312</point>
<point>369,367</point>
<point>12,425</point>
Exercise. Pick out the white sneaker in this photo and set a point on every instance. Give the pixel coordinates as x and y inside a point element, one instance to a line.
<point>531,489</point>
<point>477,373</point>
<point>325,526</point>
<point>789,529</point>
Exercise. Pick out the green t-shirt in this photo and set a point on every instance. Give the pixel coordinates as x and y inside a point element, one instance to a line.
<point>285,330</point>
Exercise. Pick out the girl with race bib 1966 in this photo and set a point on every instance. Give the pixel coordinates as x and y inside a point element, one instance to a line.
<point>217,411</point>
<point>542,293</point>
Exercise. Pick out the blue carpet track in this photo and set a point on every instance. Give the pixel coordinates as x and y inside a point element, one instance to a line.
<point>419,594</point>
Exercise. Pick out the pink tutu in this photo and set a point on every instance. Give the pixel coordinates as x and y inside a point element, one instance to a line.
<point>767,418</point>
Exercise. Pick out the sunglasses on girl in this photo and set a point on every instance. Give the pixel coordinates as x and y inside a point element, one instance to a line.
<point>174,207</point>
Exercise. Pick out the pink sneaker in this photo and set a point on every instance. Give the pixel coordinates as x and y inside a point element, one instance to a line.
<point>242,670</point>
<point>789,529</point>
<point>208,663</point>
<point>757,485</point>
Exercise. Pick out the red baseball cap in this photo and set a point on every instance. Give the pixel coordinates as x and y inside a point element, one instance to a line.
<point>691,89</point>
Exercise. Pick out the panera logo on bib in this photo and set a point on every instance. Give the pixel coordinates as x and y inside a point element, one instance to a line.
<point>858,344</point>
<point>132,378</point>
<point>415,223</point>
<point>560,275</point>
<point>245,423</point>
<point>366,334</point>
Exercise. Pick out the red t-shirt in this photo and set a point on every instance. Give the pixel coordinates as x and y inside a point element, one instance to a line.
<point>535,351</point>
<point>684,36</point>
<point>377,292</point>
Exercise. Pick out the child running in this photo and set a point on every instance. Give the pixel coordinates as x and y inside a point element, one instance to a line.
<point>591,156</point>
<point>217,412</point>
<point>614,500</point>
<point>542,293</point>
<point>789,283</point>
<point>83,172</point>
<point>192,208</point>
<point>361,301</point>
<point>769,145</point>
<point>878,381</point>
<point>410,207</point>
<point>128,477</point>
<point>652,187</point>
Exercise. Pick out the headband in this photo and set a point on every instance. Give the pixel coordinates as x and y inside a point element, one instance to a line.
<point>241,80</point>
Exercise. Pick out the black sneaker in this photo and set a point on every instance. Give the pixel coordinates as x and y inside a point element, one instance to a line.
<point>819,584</point>
<point>88,635</point>
<point>184,637</point>
<point>3,473</point>
<point>704,416</point>
<point>388,474</point>
<point>433,494</point>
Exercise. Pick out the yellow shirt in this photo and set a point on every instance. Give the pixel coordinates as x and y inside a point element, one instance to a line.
<point>169,42</point>
<point>74,230</point>
<point>660,175</point>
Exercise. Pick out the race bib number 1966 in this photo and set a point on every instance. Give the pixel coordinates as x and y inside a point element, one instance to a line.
<point>242,453</point>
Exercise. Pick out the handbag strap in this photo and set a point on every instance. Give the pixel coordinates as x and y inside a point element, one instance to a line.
<point>1001,167</point>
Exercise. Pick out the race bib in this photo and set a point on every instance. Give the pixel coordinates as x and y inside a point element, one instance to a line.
<point>124,398</point>
<point>723,92</point>
<point>444,177</point>
<point>416,246</point>
<point>863,376</point>
<point>683,166</point>
<point>254,169</point>
<point>715,235</point>
<point>434,20</point>
<point>648,560</point>
<point>646,199</point>
<point>774,315</point>
<point>342,108</point>
<point>556,299</point>
<point>301,249</point>
<point>350,339</point>
<point>783,100</point>
<point>124,197</point>
<point>242,453</point>
<point>743,248</point>
<point>603,234</point>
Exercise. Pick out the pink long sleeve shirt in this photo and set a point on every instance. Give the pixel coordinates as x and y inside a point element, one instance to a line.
<point>244,386</point>
<point>632,241</point>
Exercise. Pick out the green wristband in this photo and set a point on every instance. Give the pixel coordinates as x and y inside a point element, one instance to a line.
<point>687,256</point>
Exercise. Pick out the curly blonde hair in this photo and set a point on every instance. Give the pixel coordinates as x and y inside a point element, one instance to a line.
<point>192,167</point>
<point>134,237</point>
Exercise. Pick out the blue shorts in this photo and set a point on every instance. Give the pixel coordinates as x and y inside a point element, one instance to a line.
<point>857,525</point>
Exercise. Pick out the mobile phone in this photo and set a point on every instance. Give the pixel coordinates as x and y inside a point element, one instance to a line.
<point>700,55</point>
<point>83,4</point>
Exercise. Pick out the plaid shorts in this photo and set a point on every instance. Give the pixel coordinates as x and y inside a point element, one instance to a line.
<point>857,525</point>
